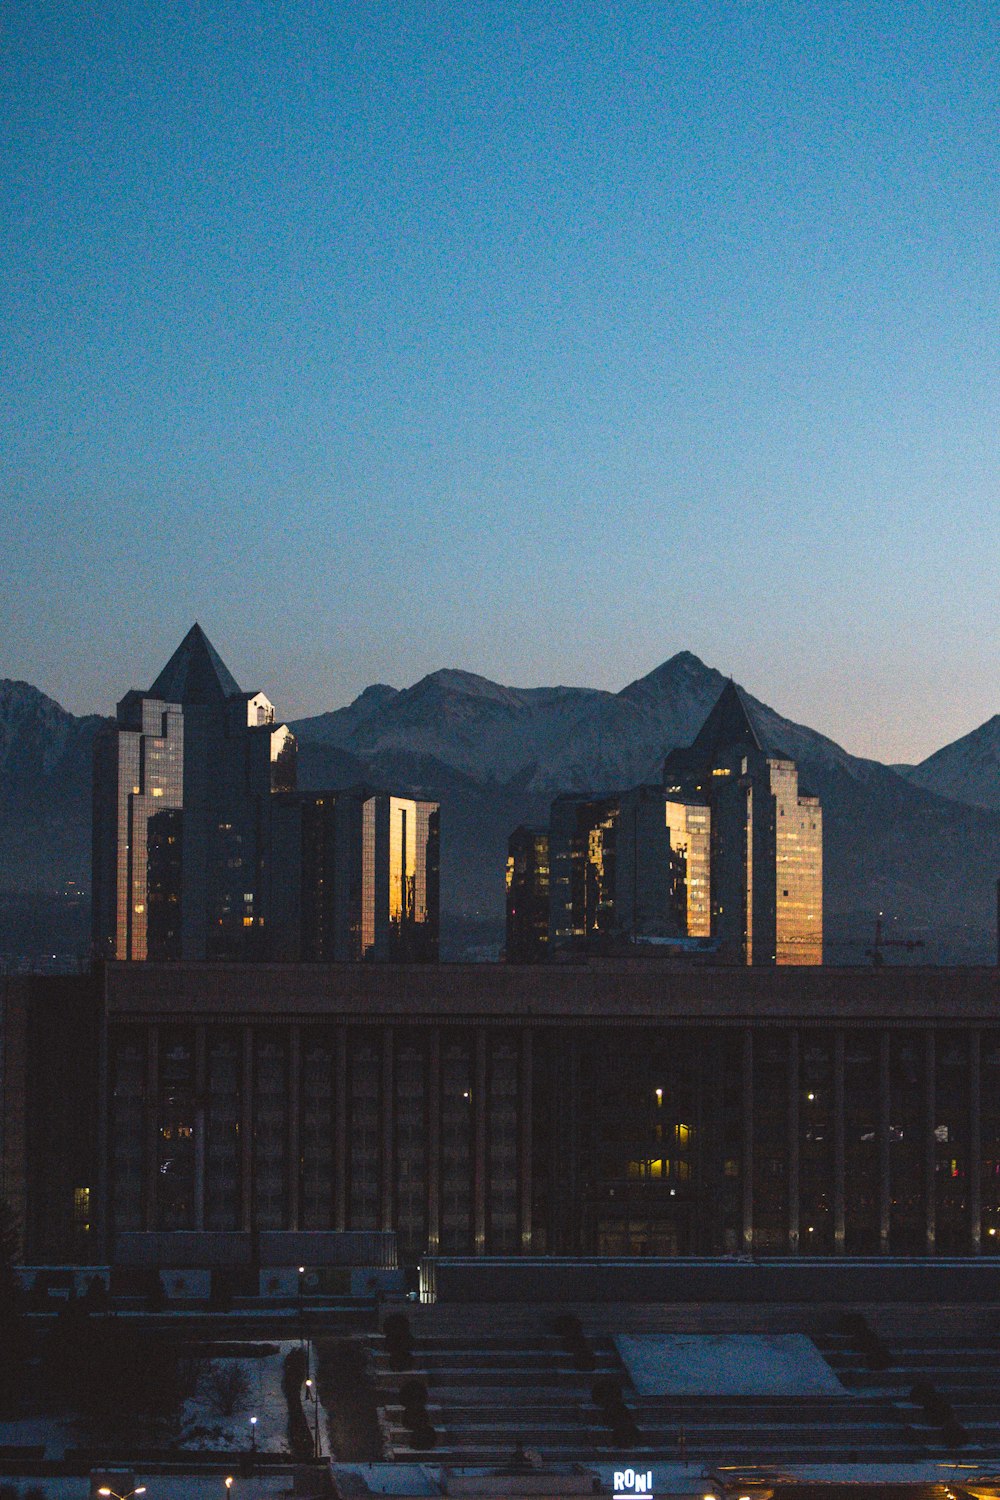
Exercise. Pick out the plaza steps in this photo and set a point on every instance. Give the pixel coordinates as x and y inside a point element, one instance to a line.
<point>489,1394</point>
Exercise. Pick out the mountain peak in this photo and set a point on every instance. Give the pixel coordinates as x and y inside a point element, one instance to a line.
<point>455,679</point>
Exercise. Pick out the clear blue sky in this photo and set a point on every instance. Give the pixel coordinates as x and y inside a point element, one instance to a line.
<point>543,340</point>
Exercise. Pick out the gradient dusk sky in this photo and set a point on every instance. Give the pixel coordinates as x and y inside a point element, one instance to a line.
<point>541,340</point>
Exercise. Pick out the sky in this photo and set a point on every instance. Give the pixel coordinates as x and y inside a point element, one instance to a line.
<point>541,340</point>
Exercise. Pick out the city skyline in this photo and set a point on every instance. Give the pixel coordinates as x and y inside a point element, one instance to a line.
<point>543,344</point>
<point>879,732</point>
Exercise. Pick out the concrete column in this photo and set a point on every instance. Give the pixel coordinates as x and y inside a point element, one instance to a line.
<point>200,1125</point>
<point>293,1170</point>
<point>573,1140</point>
<point>434,1143</point>
<point>151,1127</point>
<point>975,1161</point>
<point>247,1206</point>
<point>930,1115</point>
<point>793,1143</point>
<point>387,1163</point>
<point>747,1163</point>
<point>884,1122</point>
<point>524,1138</point>
<point>340,1131</point>
<point>839,1146</point>
<point>479,1143</point>
<point>105,1107</point>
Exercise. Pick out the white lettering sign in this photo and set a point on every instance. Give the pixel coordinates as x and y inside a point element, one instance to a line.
<point>633,1482</point>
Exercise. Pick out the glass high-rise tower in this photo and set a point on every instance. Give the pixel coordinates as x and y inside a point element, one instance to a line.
<point>766,838</point>
<point>183,781</point>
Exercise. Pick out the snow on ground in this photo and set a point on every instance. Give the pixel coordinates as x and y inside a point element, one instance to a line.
<point>726,1364</point>
<point>202,1427</point>
<point>55,1434</point>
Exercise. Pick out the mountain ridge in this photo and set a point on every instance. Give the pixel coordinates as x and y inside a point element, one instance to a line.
<point>495,756</point>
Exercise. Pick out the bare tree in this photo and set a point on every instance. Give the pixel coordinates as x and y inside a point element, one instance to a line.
<point>226,1386</point>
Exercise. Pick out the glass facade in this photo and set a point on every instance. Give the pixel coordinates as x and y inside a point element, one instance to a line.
<point>222,1125</point>
<point>630,868</point>
<point>626,1139</point>
<point>766,837</point>
<point>527,896</point>
<point>690,829</point>
<point>182,790</point>
<point>356,877</point>
<point>798,855</point>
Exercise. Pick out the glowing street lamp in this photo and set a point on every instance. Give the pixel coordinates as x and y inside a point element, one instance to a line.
<point>253,1434</point>
<point>313,1395</point>
<point>114,1495</point>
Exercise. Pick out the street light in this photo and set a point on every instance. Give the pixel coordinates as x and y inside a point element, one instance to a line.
<point>302,1311</point>
<point>253,1434</point>
<point>141,1490</point>
<point>228,1482</point>
<point>313,1396</point>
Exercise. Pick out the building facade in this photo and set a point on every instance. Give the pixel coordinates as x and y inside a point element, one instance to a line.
<point>356,877</point>
<point>766,839</point>
<point>527,896</point>
<point>627,867</point>
<point>51,1038</point>
<point>609,1108</point>
<point>183,782</point>
<point>726,855</point>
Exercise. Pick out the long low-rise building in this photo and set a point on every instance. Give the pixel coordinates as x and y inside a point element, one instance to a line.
<point>616,1107</point>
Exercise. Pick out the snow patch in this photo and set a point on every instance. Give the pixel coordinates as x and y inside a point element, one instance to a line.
<point>726,1364</point>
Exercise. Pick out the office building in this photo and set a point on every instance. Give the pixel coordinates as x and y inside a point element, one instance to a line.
<point>619,1106</point>
<point>183,784</point>
<point>766,839</point>
<point>629,867</point>
<point>527,895</point>
<point>619,867</point>
<point>356,877</point>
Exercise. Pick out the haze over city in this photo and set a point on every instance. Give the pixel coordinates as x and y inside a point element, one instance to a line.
<point>540,341</point>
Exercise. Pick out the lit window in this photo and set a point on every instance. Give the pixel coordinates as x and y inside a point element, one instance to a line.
<point>81,1208</point>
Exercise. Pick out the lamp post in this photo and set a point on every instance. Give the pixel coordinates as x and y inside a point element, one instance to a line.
<point>253,1436</point>
<point>114,1495</point>
<point>228,1482</point>
<point>302,1310</point>
<point>313,1395</point>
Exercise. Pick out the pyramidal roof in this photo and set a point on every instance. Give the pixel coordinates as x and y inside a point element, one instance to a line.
<point>729,723</point>
<point>195,673</point>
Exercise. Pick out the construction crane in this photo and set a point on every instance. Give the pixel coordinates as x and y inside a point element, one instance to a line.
<point>875,951</point>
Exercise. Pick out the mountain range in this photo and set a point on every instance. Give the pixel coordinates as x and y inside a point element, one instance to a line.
<point>921,843</point>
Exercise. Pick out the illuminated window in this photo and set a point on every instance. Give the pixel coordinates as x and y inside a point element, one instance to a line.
<point>81,1209</point>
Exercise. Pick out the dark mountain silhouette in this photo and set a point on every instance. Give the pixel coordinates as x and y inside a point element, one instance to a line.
<point>45,777</point>
<point>967,770</point>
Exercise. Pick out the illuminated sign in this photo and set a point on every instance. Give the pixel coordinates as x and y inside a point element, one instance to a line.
<point>633,1482</point>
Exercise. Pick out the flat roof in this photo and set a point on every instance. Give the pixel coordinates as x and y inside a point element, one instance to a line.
<point>598,992</point>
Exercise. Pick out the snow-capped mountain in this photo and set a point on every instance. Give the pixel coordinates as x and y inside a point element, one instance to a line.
<point>495,756</point>
<point>45,774</point>
<point>550,739</point>
<point>895,839</point>
<point>967,770</point>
